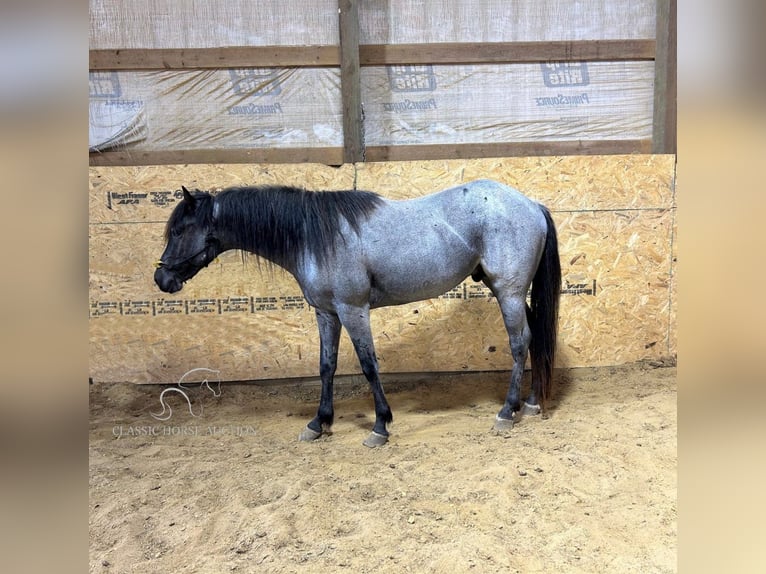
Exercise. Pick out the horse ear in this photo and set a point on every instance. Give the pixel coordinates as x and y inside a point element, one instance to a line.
<point>188,197</point>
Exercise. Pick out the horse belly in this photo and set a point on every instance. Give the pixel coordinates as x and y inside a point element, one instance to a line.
<point>418,267</point>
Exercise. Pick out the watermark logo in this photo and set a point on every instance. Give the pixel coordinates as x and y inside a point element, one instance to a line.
<point>183,391</point>
<point>167,430</point>
<point>137,431</point>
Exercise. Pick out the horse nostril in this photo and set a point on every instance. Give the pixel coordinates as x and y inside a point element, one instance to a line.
<point>158,264</point>
<point>167,282</point>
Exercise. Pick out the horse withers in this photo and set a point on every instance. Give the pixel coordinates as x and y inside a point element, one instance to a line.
<point>353,251</point>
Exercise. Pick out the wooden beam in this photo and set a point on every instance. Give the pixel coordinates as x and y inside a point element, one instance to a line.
<point>506,52</point>
<point>350,86</point>
<point>324,155</point>
<point>334,155</point>
<point>665,70</point>
<point>371,54</point>
<point>507,149</point>
<point>231,57</point>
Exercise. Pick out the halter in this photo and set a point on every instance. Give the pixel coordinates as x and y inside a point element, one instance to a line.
<point>160,263</point>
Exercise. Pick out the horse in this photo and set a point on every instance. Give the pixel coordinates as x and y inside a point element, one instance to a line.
<point>353,251</point>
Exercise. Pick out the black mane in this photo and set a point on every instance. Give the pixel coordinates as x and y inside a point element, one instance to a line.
<point>281,223</point>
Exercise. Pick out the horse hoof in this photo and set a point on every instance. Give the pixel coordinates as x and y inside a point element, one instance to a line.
<point>503,425</point>
<point>374,440</point>
<point>531,410</point>
<point>307,435</point>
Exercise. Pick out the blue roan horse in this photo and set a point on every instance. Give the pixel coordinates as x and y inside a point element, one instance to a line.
<point>352,251</point>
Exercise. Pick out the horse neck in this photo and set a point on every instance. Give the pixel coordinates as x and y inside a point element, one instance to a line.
<point>248,226</point>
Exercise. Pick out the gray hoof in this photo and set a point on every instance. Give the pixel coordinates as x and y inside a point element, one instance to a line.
<point>307,435</point>
<point>374,439</point>
<point>503,425</point>
<point>531,410</point>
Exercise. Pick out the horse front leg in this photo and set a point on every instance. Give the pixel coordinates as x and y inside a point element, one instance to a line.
<point>356,320</point>
<point>329,339</point>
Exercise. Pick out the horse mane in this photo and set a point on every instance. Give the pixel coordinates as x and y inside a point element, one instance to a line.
<point>281,223</point>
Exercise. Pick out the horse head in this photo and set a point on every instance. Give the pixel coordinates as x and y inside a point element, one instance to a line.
<point>191,242</point>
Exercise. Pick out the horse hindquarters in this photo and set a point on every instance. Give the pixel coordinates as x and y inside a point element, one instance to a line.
<point>531,329</point>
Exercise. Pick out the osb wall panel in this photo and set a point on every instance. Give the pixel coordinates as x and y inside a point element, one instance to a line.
<point>562,183</point>
<point>615,217</point>
<point>673,293</point>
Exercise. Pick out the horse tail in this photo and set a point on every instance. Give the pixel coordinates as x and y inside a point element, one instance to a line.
<point>543,312</point>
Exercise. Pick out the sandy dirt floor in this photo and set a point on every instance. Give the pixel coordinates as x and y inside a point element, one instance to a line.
<point>588,487</point>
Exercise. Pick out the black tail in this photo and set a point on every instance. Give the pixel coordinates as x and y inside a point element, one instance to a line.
<point>543,314</point>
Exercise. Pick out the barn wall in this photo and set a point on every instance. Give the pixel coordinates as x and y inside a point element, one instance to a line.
<point>616,224</point>
<point>213,23</point>
<point>142,112</point>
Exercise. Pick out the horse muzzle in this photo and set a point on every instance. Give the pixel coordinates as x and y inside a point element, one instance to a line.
<point>167,281</point>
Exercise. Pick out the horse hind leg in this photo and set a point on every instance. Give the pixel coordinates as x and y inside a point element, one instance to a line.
<point>519,337</point>
<point>531,406</point>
